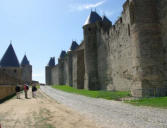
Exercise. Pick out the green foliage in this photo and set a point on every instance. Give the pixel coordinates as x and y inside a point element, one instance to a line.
<point>95,94</point>
<point>160,102</point>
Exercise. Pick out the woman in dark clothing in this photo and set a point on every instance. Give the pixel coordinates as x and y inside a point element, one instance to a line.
<point>34,89</point>
<point>17,89</point>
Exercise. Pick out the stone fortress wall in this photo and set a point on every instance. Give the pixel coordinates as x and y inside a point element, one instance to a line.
<point>127,56</point>
<point>13,73</point>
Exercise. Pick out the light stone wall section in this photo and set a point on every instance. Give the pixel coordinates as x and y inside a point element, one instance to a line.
<point>27,74</point>
<point>54,75</point>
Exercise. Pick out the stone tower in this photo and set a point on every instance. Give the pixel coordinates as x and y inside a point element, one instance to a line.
<point>10,64</point>
<point>26,70</point>
<point>48,70</point>
<point>90,38</point>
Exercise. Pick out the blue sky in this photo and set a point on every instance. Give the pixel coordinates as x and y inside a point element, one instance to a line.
<point>42,28</point>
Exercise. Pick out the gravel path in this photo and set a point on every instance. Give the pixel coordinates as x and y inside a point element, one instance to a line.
<point>111,114</point>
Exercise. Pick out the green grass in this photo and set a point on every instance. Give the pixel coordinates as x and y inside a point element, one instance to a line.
<point>160,102</point>
<point>38,86</point>
<point>95,94</point>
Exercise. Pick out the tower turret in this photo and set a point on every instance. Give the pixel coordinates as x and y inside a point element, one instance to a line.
<point>74,46</point>
<point>90,38</point>
<point>10,64</point>
<point>9,59</point>
<point>26,70</point>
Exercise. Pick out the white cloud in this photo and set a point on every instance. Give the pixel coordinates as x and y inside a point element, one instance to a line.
<point>81,7</point>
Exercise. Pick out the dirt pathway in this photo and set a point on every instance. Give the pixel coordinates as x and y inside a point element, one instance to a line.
<point>41,112</point>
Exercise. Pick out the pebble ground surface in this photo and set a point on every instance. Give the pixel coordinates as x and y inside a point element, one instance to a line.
<point>111,114</point>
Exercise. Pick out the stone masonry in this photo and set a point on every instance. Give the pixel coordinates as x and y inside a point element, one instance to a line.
<point>129,55</point>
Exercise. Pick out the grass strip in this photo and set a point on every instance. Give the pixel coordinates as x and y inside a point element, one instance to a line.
<point>110,95</point>
<point>160,102</point>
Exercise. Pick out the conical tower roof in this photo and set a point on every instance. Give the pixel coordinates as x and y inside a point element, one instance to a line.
<point>105,19</point>
<point>25,61</point>
<point>63,54</point>
<point>51,61</point>
<point>93,17</point>
<point>74,45</point>
<point>9,59</point>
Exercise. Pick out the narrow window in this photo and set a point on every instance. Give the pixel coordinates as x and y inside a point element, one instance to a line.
<point>128,29</point>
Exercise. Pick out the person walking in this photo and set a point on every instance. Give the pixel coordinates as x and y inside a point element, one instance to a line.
<point>34,89</point>
<point>17,89</point>
<point>26,90</point>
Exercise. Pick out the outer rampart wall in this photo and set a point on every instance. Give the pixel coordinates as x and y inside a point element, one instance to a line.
<point>6,90</point>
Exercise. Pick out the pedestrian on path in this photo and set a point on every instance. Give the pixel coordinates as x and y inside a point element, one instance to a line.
<point>17,89</point>
<point>34,89</point>
<point>26,88</point>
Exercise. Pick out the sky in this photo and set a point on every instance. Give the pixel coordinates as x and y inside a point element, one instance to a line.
<point>43,28</point>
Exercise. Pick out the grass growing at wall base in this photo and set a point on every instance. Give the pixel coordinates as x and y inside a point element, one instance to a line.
<point>160,102</point>
<point>95,94</point>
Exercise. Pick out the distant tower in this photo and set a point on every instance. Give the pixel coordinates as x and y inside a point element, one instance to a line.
<point>48,70</point>
<point>61,68</point>
<point>26,70</point>
<point>73,47</point>
<point>10,65</point>
<point>90,38</point>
